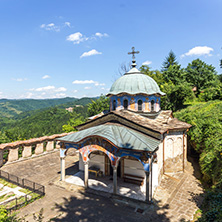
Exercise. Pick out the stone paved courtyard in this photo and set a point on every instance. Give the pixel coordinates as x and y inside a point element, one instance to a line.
<point>177,198</point>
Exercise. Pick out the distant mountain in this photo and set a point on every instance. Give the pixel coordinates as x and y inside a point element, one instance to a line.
<point>11,108</point>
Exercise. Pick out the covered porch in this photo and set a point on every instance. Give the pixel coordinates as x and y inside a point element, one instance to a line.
<point>111,144</point>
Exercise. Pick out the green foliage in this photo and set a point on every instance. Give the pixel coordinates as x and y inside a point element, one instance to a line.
<point>175,74</point>
<point>12,108</point>
<point>75,120</point>
<point>6,217</point>
<point>205,137</point>
<point>212,207</point>
<point>170,60</point>
<point>98,105</point>
<point>213,92</point>
<point>155,74</point>
<point>199,74</point>
<point>176,96</point>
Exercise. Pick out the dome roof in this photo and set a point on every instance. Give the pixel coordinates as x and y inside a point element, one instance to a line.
<point>135,82</point>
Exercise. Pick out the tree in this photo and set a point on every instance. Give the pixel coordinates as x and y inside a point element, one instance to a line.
<point>169,61</point>
<point>75,120</point>
<point>174,73</point>
<point>221,63</point>
<point>98,105</point>
<point>176,95</point>
<point>155,74</point>
<point>199,74</point>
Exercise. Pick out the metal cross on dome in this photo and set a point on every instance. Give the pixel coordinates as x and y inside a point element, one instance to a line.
<point>133,53</point>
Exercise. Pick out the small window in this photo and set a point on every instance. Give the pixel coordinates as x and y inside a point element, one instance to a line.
<point>152,105</point>
<point>140,105</point>
<point>114,104</point>
<point>125,104</point>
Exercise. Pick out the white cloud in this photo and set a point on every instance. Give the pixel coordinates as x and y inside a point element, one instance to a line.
<point>59,95</point>
<point>87,87</point>
<point>90,53</point>
<point>100,35</point>
<point>61,89</point>
<point>46,77</point>
<point>50,27</point>
<point>68,24</point>
<point>51,89</point>
<point>76,38</point>
<point>99,84</point>
<point>83,82</point>
<point>75,91</point>
<point>146,63</point>
<point>20,79</point>
<point>199,51</point>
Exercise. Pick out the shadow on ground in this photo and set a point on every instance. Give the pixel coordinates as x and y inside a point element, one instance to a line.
<point>97,208</point>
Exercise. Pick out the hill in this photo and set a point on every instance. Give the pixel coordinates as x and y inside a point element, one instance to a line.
<point>11,108</point>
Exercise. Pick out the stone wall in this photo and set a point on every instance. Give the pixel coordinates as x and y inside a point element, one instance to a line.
<point>21,150</point>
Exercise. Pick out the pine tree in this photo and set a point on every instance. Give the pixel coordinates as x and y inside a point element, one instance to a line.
<point>169,61</point>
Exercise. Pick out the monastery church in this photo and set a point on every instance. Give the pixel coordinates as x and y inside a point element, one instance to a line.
<point>133,144</point>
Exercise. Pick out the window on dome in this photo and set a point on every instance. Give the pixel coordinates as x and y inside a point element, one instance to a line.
<point>125,104</point>
<point>140,105</point>
<point>114,104</point>
<point>152,105</point>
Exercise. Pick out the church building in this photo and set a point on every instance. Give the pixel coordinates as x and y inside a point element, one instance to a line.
<point>135,142</point>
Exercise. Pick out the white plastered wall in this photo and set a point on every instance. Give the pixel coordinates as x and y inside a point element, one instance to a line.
<point>173,144</point>
<point>133,167</point>
<point>97,161</point>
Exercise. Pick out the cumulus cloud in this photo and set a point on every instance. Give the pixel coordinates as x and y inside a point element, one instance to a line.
<point>90,53</point>
<point>46,77</point>
<point>52,89</point>
<point>50,27</point>
<point>87,87</point>
<point>67,24</point>
<point>146,63</point>
<point>19,79</point>
<point>199,51</point>
<point>88,82</point>
<point>76,38</point>
<point>83,82</point>
<point>100,35</point>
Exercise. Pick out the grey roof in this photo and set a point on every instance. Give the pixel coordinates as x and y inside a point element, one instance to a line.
<point>120,136</point>
<point>134,82</point>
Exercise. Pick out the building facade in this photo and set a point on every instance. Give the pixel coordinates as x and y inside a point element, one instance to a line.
<point>135,140</point>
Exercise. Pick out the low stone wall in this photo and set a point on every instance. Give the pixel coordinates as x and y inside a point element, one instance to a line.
<point>25,149</point>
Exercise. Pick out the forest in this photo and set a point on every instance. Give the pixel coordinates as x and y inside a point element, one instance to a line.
<point>194,93</point>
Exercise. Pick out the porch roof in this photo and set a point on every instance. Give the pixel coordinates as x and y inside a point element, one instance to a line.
<point>121,136</point>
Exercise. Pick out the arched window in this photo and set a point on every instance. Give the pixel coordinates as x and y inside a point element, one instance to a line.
<point>114,104</point>
<point>140,105</point>
<point>125,104</point>
<point>152,105</point>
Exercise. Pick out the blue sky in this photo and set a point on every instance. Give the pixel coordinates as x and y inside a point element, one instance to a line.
<point>59,48</point>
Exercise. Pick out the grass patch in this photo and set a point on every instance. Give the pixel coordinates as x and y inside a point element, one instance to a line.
<point>6,196</point>
<point>8,184</point>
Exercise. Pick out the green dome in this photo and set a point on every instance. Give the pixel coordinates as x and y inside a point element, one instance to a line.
<point>134,82</point>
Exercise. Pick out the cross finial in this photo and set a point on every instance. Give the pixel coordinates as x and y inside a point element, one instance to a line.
<point>133,53</point>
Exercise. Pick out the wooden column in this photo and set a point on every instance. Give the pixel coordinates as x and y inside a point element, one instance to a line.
<point>115,179</point>
<point>86,174</point>
<point>50,146</point>
<point>63,169</point>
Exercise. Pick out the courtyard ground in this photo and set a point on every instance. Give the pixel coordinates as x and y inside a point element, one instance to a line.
<point>177,197</point>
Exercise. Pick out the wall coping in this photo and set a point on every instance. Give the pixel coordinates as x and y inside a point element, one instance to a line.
<point>31,141</point>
